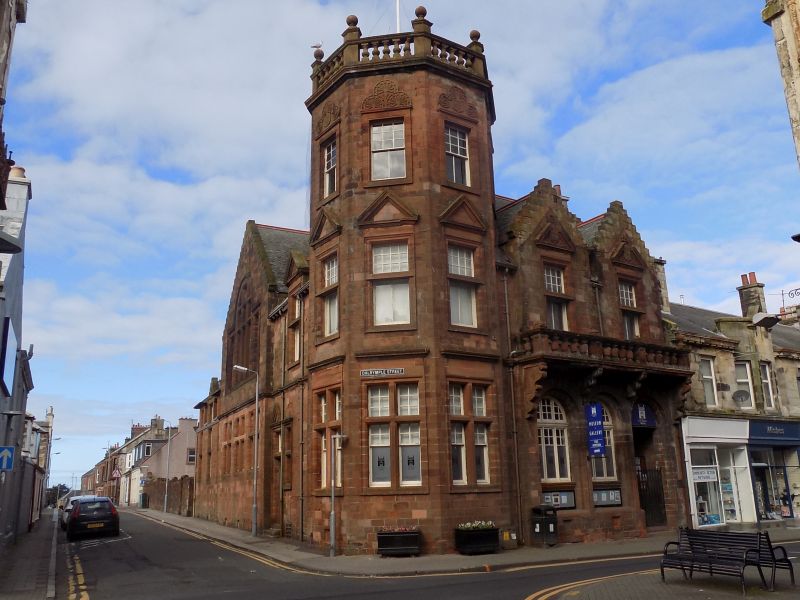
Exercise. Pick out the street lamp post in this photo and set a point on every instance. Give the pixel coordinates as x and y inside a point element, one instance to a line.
<point>166,481</point>
<point>242,369</point>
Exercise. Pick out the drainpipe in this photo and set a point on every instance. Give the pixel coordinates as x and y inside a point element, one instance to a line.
<point>283,408</point>
<point>302,419</point>
<point>514,432</point>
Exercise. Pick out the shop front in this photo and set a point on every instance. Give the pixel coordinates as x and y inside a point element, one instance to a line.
<point>718,472</point>
<point>774,448</point>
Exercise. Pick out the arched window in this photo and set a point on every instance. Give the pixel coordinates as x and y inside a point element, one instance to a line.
<point>553,441</point>
<point>603,467</point>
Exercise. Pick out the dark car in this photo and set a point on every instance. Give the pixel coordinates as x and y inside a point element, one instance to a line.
<point>92,515</point>
<point>66,509</point>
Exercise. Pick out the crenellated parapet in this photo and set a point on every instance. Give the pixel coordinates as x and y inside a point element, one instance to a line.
<point>400,49</point>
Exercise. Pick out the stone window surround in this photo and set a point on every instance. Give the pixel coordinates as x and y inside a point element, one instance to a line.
<point>468,420</point>
<point>394,420</point>
<point>372,278</point>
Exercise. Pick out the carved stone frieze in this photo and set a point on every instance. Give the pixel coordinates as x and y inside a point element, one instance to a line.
<point>329,115</point>
<point>386,96</point>
<point>455,100</point>
<point>628,256</point>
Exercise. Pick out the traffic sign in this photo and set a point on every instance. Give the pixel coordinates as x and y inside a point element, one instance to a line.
<point>6,458</point>
<point>116,474</point>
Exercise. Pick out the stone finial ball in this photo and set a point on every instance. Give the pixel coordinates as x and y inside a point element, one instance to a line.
<point>421,12</point>
<point>474,35</point>
<point>318,54</point>
<point>352,20</point>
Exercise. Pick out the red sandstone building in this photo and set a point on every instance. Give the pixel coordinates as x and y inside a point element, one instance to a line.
<point>432,350</point>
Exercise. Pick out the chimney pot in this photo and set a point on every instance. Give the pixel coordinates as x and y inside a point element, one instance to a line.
<point>744,279</point>
<point>752,276</point>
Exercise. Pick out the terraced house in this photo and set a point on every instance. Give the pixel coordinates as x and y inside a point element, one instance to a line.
<point>741,425</point>
<point>430,352</point>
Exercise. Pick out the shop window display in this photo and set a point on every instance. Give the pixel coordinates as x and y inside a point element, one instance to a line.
<point>770,484</point>
<point>706,480</point>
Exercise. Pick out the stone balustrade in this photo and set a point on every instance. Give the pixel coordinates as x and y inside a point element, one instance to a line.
<point>356,51</point>
<point>548,343</point>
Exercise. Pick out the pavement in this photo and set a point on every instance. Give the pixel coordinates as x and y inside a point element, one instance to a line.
<point>29,569</point>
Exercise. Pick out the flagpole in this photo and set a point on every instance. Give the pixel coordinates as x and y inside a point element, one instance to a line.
<point>397,13</point>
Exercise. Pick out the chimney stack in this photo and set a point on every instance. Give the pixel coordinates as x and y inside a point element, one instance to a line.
<point>661,275</point>
<point>751,295</point>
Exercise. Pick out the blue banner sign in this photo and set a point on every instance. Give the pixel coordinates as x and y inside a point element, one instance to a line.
<point>594,425</point>
<point>642,416</point>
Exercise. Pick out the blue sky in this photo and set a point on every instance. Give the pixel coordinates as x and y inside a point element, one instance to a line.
<point>152,131</point>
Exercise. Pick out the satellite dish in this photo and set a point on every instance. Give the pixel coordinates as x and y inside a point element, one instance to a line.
<point>765,320</point>
<point>741,397</point>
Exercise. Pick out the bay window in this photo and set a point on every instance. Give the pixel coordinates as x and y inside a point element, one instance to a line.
<point>463,288</point>
<point>391,304</point>
<point>329,172</point>
<point>469,434</point>
<point>394,430</point>
<point>388,150</point>
<point>455,154</point>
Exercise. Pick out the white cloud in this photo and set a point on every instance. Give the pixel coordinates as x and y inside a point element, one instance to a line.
<point>120,319</point>
<point>152,131</point>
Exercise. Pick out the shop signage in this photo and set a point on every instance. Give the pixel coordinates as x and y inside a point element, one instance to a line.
<point>700,474</point>
<point>382,372</point>
<point>642,416</point>
<point>594,426</point>
<point>780,432</point>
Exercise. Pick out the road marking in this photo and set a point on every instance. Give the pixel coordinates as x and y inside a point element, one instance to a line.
<point>94,543</point>
<point>550,592</point>
<point>76,581</point>
<point>267,561</point>
<point>580,562</point>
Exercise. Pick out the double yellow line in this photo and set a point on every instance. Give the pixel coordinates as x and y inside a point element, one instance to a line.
<point>76,581</point>
<point>551,592</point>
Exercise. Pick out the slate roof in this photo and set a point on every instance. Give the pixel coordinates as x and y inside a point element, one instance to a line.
<point>784,336</point>
<point>692,319</point>
<point>702,322</point>
<point>279,244</point>
<point>588,229</point>
<point>505,209</point>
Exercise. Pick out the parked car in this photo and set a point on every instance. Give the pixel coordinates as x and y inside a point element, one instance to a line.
<point>66,509</point>
<point>92,515</point>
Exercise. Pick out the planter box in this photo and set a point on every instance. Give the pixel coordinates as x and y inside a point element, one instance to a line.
<point>477,541</point>
<point>399,543</point>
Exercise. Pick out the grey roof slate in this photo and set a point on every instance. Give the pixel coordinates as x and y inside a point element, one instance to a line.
<point>784,336</point>
<point>505,211</point>
<point>588,229</point>
<point>279,243</point>
<point>702,321</point>
<point>696,320</point>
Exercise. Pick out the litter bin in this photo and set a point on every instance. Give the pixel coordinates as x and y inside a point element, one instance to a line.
<point>544,524</point>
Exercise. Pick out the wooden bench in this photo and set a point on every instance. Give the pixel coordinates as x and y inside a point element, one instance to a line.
<point>725,553</point>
